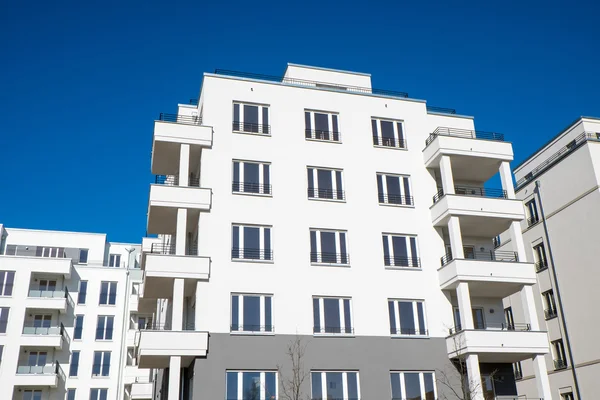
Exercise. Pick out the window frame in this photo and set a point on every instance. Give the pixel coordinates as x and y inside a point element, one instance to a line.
<point>549,303</point>
<point>342,329</point>
<point>539,255</point>
<point>110,285</point>
<point>33,392</point>
<point>314,193</point>
<point>311,134</point>
<point>103,366</point>
<point>559,353</point>
<point>240,386</point>
<point>71,394</point>
<point>389,261</point>
<point>533,216</point>
<point>264,255</point>
<point>241,123</point>
<point>76,329</point>
<point>323,384</point>
<point>74,364</point>
<point>421,383</point>
<point>383,195</point>
<point>393,302</point>
<point>87,253</point>
<point>316,257</point>
<point>399,137</point>
<point>105,329</point>
<point>4,324</point>
<point>82,294</point>
<point>263,327</point>
<point>101,393</point>
<point>264,189</point>
<point>6,284</point>
<point>114,258</point>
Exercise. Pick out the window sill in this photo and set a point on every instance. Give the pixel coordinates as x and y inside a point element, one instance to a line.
<point>324,264</point>
<point>323,141</point>
<point>252,261</point>
<point>409,336</point>
<point>252,194</point>
<point>326,200</point>
<point>390,147</point>
<point>393,268</point>
<point>100,377</point>
<point>334,335</point>
<point>397,205</point>
<point>104,340</point>
<point>107,305</point>
<point>246,333</point>
<point>252,133</point>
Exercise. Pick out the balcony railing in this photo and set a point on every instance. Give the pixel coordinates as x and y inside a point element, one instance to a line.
<point>49,369</point>
<point>47,294</point>
<point>560,364</point>
<point>496,242</point>
<point>540,266</point>
<point>395,199</point>
<point>181,119</point>
<point>532,220</point>
<point>332,194</point>
<point>491,255</point>
<point>389,142</point>
<point>252,328</point>
<point>34,328</point>
<point>341,330</point>
<point>238,253</point>
<point>399,261</point>
<point>167,326</point>
<point>409,331</point>
<point>441,110</point>
<point>173,180</point>
<point>325,136</point>
<point>550,313</point>
<point>464,133</point>
<point>474,192</point>
<point>251,127</point>
<point>250,187</point>
<point>330,258</point>
<point>170,249</point>
<point>517,327</point>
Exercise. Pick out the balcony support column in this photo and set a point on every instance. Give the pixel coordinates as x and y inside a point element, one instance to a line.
<point>474,376</point>
<point>456,244</point>
<point>516,236</point>
<point>464,306</point>
<point>174,377</point>
<point>181,235</point>
<point>184,165</point>
<point>178,299</point>
<point>529,308</point>
<point>541,377</point>
<point>198,309</point>
<point>446,172</point>
<point>506,179</point>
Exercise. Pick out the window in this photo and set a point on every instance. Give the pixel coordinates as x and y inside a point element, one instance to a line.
<point>400,251</point>
<point>319,125</point>
<point>251,313</point>
<point>560,357</point>
<point>509,318</point>
<point>41,324</point>
<point>325,184</point>
<point>37,359</point>
<point>413,385</point>
<point>328,247</point>
<point>539,253</point>
<point>567,396</point>
<point>388,133</point>
<point>251,385</point>
<point>83,256</point>
<point>108,293</point>
<point>101,366</point>
<point>407,317</point>
<point>1,352</point>
<point>4,311</point>
<point>251,243</point>
<point>332,315</point>
<point>114,260</point>
<point>32,395</point>
<point>74,365</point>
<point>46,287</point>
<point>50,252</point>
<point>339,385</point>
<point>71,394</point>
<point>98,394</point>
<point>478,318</point>
<point>251,177</point>
<point>78,330</point>
<point>251,118</point>
<point>7,279</point>
<point>82,292</point>
<point>394,189</point>
<point>532,213</point>
<point>517,370</point>
<point>104,328</point>
<point>549,304</point>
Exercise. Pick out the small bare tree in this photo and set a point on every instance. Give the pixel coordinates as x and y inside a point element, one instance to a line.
<point>291,384</point>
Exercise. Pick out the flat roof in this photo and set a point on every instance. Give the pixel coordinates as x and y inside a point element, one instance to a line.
<point>328,69</point>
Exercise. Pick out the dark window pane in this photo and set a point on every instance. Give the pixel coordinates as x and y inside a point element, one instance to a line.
<point>103,394</point>
<point>352,385</point>
<point>236,176</point>
<point>236,242</point>
<point>234,313</point>
<point>380,193</point>
<point>347,316</point>
<point>407,191</point>
<point>328,254</point>
<point>268,317</point>
<point>251,242</point>
<point>400,251</point>
<point>104,293</point>
<point>250,118</point>
<point>100,328</point>
<point>82,294</point>
<point>400,134</point>
<point>267,242</point>
<point>74,365</point>
<point>97,363</point>
<point>396,386</point>
<point>316,317</point>
<point>109,328</point>
<point>413,250</point>
<point>313,247</point>
<point>270,386</point>
<point>8,285</point>
<point>386,251</point>
<point>413,386</point>
<point>407,318</point>
<point>78,327</point>
<point>232,386</point>
<point>236,117</point>
<point>251,313</point>
<point>251,386</point>
<point>374,130</point>
<point>307,125</point>
<point>265,120</point>
<point>335,389</point>
<point>392,319</point>
<point>266,179</point>
<point>393,189</point>
<point>429,389</point>
<point>83,256</point>
<point>387,133</point>
<point>311,184</point>
<point>332,315</point>
<point>421,317</point>
<point>334,122</point>
<point>322,126</point>
<point>4,312</point>
<point>112,296</point>
<point>106,364</point>
<point>340,188</point>
<point>325,184</point>
<point>251,178</point>
<point>317,389</point>
<point>343,250</point>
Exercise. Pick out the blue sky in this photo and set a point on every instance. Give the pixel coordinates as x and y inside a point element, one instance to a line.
<point>81,82</point>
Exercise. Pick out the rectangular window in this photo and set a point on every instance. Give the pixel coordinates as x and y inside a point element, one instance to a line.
<point>108,293</point>
<point>74,365</point>
<point>407,317</point>
<point>104,327</point>
<point>47,287</point>
<point>325,184</point>
<point>478,318</point>
<point>251,243</point>
<point>549,304</point>
<point>251,313</point>
<point>338,385</point>
<point>83,256</point>
<point>517,370</point>
<point>251,385</point>
<point>394,189</point>
<point>101,366</point>
<point>509,318</point>
<point>82,292</point>
<point>412,385</point>
<point>4,312</point>
<point>328,247</point>
<point>114,260</point>
<point>388,133</point>
<point>319,125</point>
<point>37,359</point>
<point>78,327</point>
<point>7,279</point>
<point>400,251</point>
<point>560,357</point>
<point>50,252</point>
<point>251,177</point>
<point>539,253</point>
<point>98,394</point>
<point>251,118</point>
<point>532,213</point>
<point>569,395</point>
<point>71,394</point>
<point>332,315</point>
<point>32,394</point>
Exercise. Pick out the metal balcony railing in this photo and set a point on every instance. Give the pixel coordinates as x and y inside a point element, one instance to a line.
<point>332,194</point>
<point>496,242</point>
<point>517,327</point>
<point>173,180</point>
<point>463,133</point>
<point>399,261</point>
<point>560,364</point>
<point>409,331</point>
<point>181,119</point>
<point>329,258</point>
<point>38,328</point>
<point>48,369</point>
<point>389,142</point>
<point>170,249</point>
<point>550,313</point>
<point>473,191</point>
<point>252,328</point>
<point>325,136</point>
<point>167,326</point>
<point>540,266</point>
<point>250,187</point>
<point>239,253</point>
<point>490,255</point>
<point>251,127</point>
<point>342,330</point>
<point>395,199</point>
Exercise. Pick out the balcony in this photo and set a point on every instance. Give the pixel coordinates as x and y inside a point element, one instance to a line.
<point>498,343</point>
<point>39,376</point>
<point>326,194</point>
<point>250,255</point>
<point>251,188</point>
<point>141,391</point>
<point>323,136</point>
<point>390,142</point>
<point>48,300</point>
<point>491,273</point>
<point>134,374</point>
<point>38,336</point>
<point>157,345</point>
<point>37,264</point>
<point>329,258</point>
<point>395,199</point>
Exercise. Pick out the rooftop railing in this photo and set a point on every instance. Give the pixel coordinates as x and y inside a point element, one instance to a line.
<point>180,119</point>
<point>491,255</point>
<point>463,133</point>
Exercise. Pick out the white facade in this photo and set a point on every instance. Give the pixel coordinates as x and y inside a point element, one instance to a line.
<point>57,280</point>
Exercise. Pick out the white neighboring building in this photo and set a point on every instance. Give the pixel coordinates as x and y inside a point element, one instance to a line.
<point>315,206</point>
<point>68,317</point>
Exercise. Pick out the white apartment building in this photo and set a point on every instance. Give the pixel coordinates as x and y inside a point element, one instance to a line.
<point>68,317</point>
<point>313,206</point>
<point>559,185</point>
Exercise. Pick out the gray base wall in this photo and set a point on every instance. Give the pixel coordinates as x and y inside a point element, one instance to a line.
<point>372,356</point>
